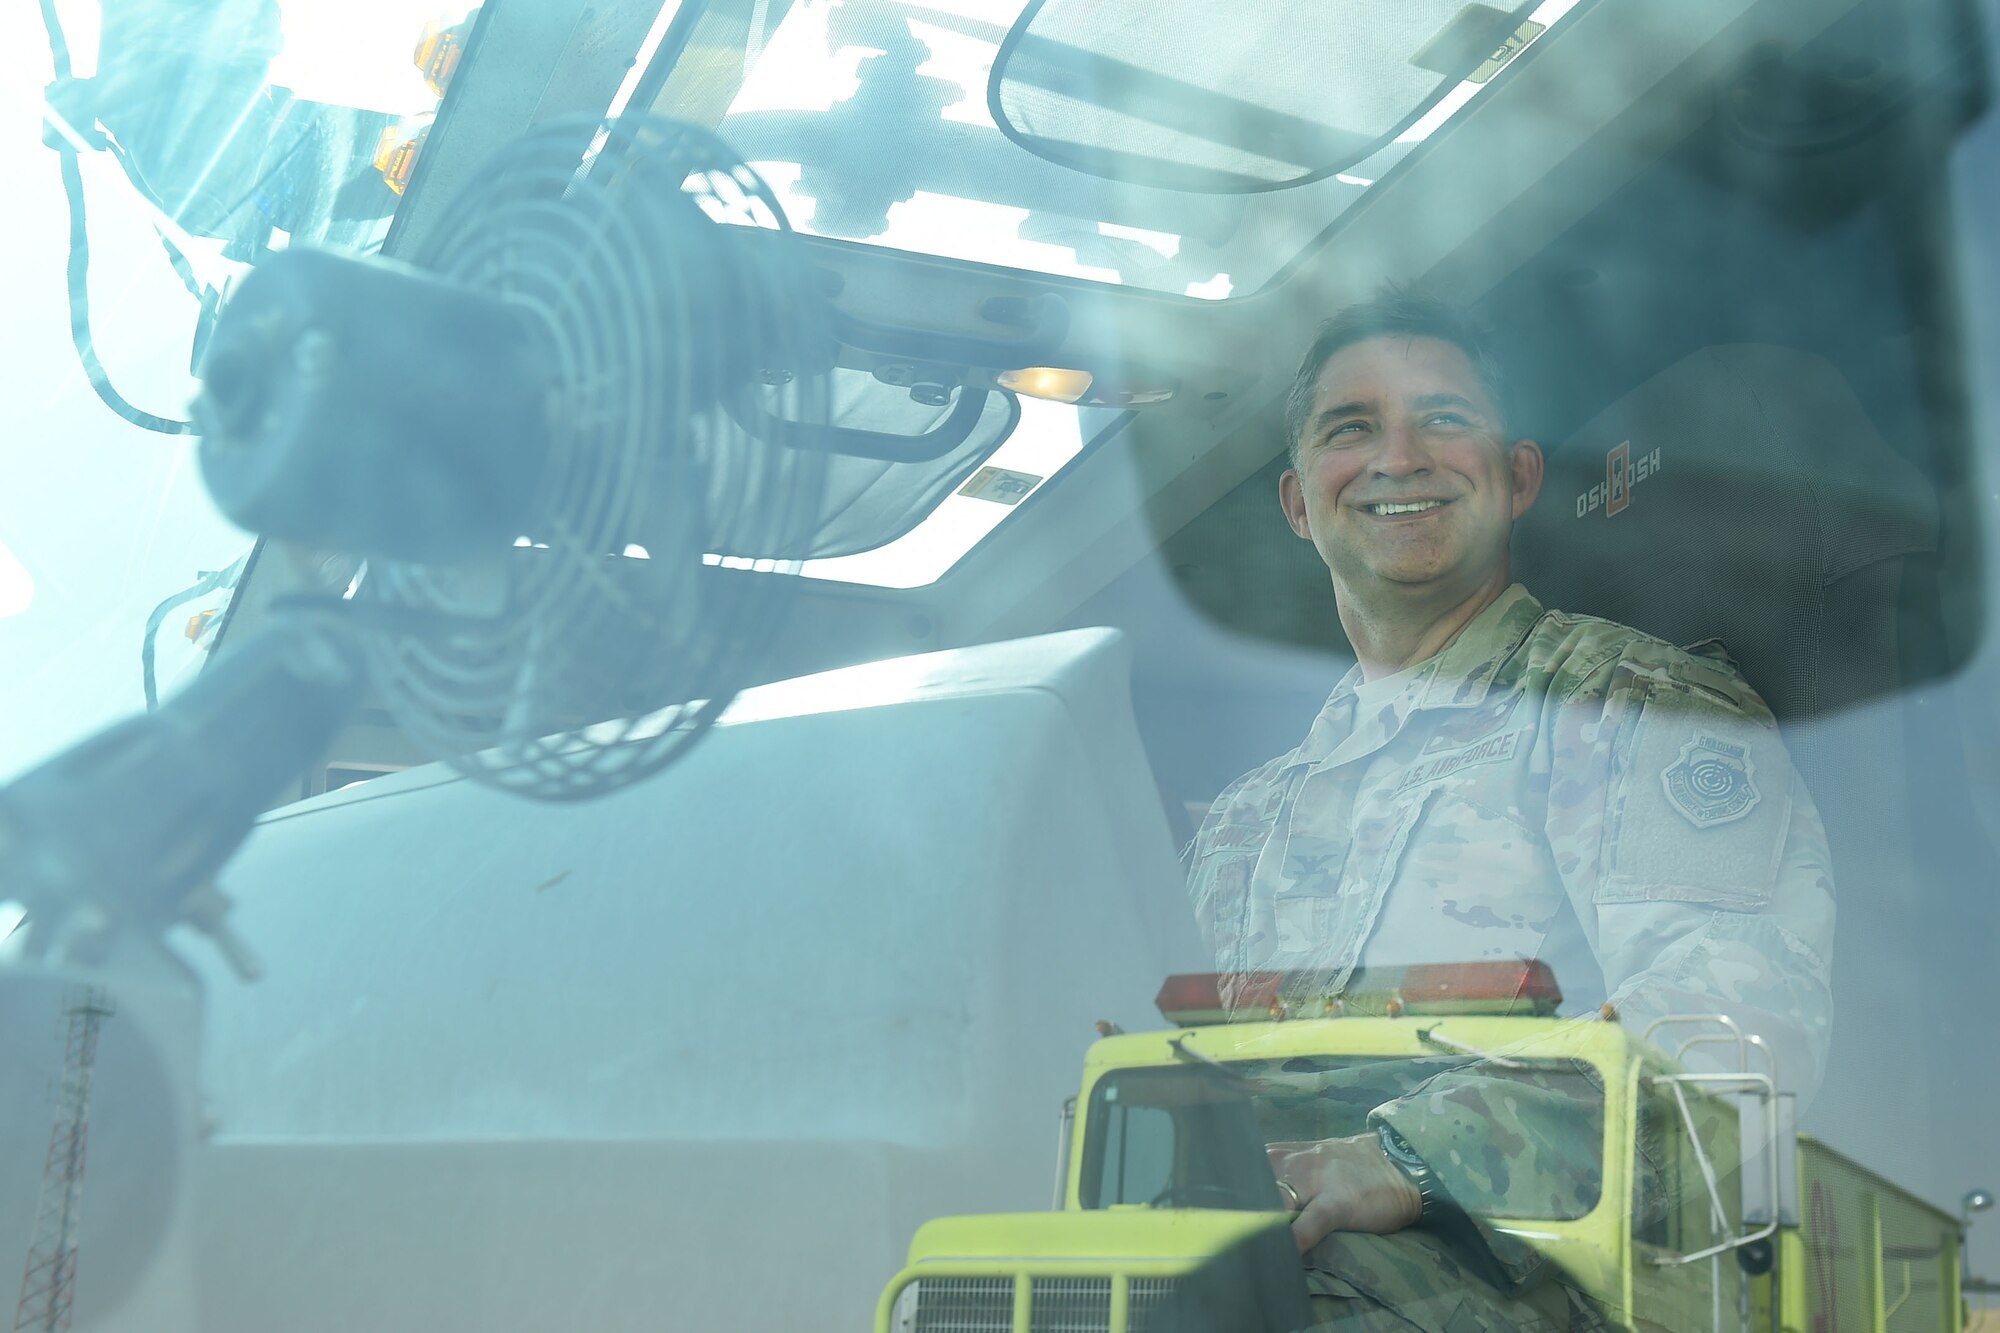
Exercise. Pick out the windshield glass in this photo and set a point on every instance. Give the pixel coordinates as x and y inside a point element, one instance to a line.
<point>1194,1137</point>
<point>998,665</point>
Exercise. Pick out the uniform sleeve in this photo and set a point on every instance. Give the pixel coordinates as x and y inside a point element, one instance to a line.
<point>1699,870</point>
<point>1693,854</point>
<point>1517,1144</point>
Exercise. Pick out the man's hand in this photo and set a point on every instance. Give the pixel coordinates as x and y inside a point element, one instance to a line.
<point>1342,1185</point>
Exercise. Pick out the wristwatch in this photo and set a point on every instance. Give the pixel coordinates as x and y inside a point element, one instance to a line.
<point>1398,1150</point>
<point>1452,1224</point>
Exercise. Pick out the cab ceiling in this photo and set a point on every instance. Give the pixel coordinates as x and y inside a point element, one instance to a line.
<point>1572,121</point>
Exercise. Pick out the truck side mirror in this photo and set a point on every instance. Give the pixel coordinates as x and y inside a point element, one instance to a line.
<point>1758,1257</point>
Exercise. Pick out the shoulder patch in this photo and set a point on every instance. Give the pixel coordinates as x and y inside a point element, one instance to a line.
<point>1713,781</point>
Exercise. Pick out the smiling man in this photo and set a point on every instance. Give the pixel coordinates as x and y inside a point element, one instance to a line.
<point>1405,482</point>
<point>1494,780</point>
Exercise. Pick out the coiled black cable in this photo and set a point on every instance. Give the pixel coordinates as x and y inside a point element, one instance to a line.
<point>78,269</point>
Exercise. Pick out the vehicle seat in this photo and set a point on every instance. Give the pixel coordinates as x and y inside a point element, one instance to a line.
<point>1759,506</point>
<point>1744,494</point>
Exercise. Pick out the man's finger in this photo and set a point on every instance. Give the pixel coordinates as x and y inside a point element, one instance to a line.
<point>1315,1222</point>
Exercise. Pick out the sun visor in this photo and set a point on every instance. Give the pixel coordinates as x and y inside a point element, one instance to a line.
<point>1225,98</point>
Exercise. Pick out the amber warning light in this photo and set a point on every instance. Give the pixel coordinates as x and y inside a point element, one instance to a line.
<point>1518,986</point>
<point>438,53</point>
<point>396,155</point>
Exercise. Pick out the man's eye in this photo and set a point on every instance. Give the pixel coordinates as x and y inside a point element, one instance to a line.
<point>1445,418</point>
<point>1348,428</point>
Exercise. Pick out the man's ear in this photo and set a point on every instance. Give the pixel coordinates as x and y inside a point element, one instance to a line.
<point>1525,461</point>
<point>1292,499</point>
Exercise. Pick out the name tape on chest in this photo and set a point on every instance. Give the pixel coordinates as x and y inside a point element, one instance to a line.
<point>1492,750</point>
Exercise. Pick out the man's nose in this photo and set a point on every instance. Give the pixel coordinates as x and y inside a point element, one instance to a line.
<point>1401,454</point>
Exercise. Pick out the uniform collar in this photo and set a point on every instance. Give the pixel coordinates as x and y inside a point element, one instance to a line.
<point>1466,669</point>
<point>1458,677</point>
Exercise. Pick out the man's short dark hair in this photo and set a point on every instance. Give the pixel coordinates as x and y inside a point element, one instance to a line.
<point>1397,311</point>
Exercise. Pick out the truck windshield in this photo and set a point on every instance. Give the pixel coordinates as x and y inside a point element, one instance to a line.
<point>1120,636</point>
<point>1193,1136</point>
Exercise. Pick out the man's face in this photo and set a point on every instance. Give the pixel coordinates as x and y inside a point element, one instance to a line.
<point>1404,476</point>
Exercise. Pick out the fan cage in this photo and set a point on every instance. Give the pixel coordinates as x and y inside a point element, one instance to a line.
<point>653,272</point>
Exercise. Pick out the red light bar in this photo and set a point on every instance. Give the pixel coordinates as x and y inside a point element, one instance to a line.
<point>1194,999</point>
<point>1513,979</point>
<point>1197,997</point>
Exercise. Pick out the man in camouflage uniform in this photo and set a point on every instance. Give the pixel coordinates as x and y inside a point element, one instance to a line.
<point>1493,779</point>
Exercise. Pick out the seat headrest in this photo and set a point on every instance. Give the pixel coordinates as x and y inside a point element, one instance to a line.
<point>1724,498</point>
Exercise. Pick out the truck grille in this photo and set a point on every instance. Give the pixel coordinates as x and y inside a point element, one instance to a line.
<point>1149,1297</point>
<point>965,1305</point>
<point>1058,1304</point>
<point>1069,1305</point>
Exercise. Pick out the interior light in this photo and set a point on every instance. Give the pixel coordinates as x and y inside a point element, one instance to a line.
<point>1052,382</point>
<point>1061,385</point>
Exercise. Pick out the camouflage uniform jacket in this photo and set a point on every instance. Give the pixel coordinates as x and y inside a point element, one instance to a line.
<point>1546,773</point>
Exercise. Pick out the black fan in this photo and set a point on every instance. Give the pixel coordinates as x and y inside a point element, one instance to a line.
<point>524,436</point>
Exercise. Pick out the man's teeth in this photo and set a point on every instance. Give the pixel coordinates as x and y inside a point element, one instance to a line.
<point>1413,508</point>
